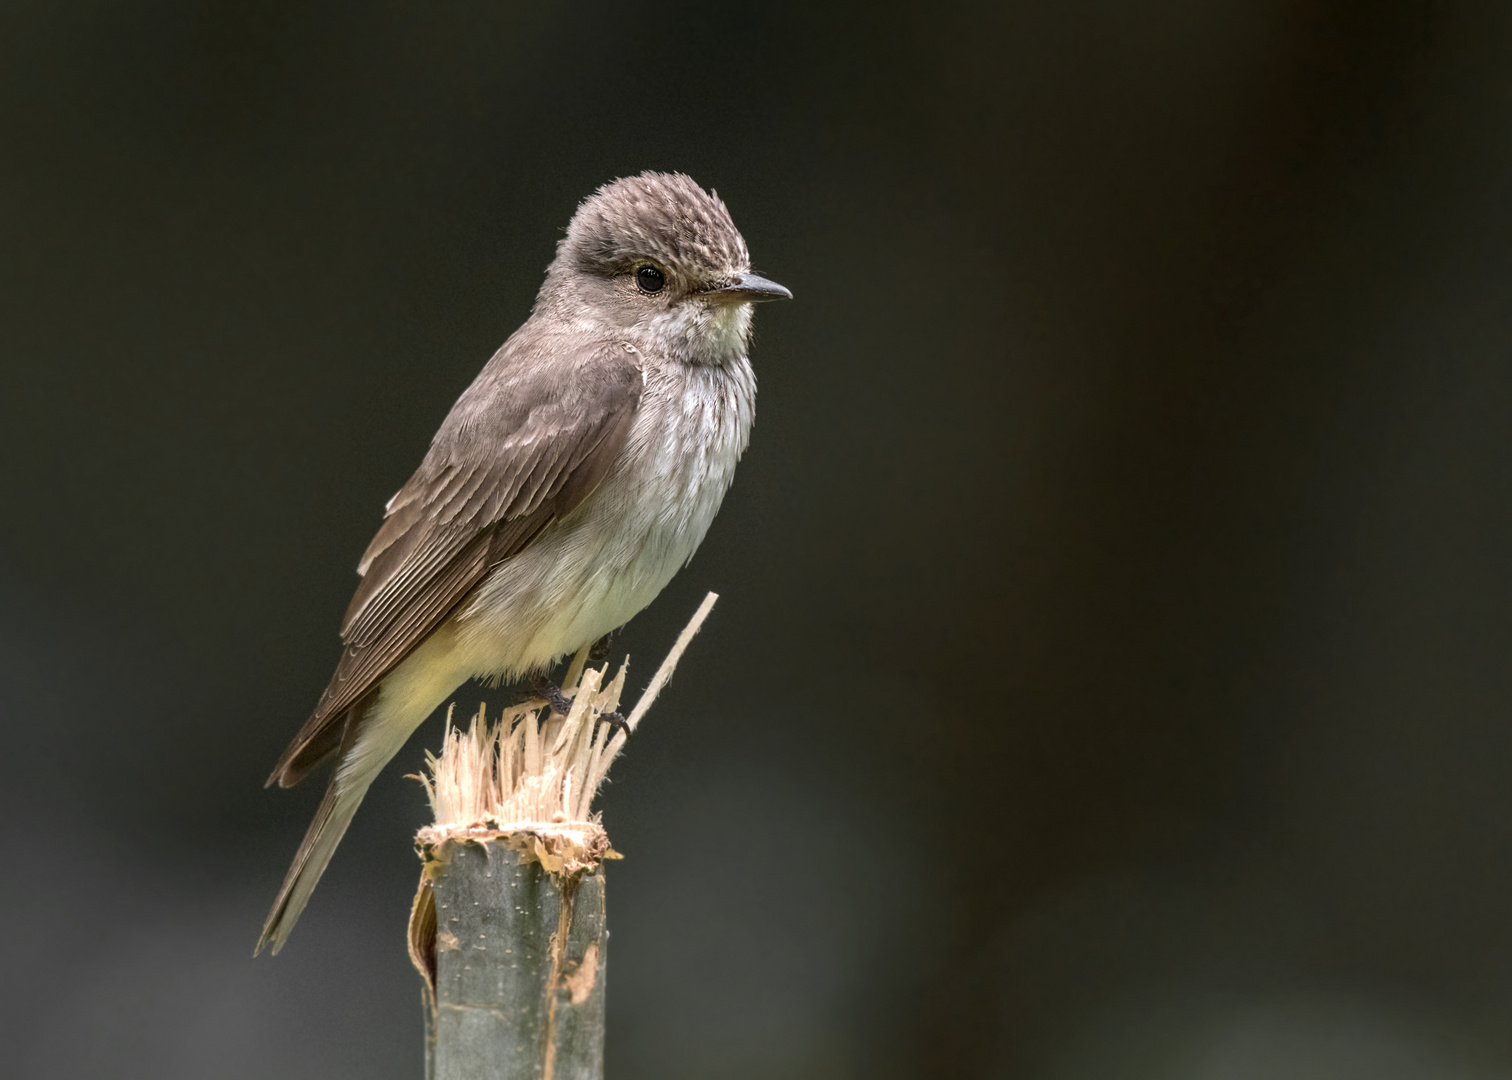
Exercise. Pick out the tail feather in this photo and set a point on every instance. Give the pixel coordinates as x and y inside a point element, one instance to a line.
<point>335,813</point>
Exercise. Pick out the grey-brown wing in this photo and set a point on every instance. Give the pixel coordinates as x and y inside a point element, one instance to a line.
<point>524,445</point>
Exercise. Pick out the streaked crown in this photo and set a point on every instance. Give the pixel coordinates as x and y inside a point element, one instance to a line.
<point>665,217</point>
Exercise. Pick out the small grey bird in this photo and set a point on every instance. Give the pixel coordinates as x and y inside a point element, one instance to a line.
<point>567,485</point>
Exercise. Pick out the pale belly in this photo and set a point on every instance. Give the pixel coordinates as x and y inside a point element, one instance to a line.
<point>593,571</point>
<point>571,587</point>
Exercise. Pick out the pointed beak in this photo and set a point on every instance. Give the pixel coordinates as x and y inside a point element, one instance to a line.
<point>750,288</point>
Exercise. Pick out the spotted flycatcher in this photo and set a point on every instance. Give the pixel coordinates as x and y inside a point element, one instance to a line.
<point>567,485</point>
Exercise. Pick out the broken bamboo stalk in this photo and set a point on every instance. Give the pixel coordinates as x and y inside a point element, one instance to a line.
<point>508,928</point>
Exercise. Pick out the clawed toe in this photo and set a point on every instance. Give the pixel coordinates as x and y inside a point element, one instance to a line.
<point>616,721</point>
<point>552,694</point>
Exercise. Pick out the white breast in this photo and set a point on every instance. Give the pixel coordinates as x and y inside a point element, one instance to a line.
<point>596,569</point>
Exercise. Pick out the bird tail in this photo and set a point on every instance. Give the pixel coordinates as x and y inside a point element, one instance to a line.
<point>343,796</point>
<point>374,730</point>
<point>330,825</point>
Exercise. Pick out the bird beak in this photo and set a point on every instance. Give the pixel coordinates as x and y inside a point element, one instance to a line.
<point>750,288</point>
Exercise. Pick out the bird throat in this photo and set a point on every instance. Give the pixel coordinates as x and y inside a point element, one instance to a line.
<point>701,333</point>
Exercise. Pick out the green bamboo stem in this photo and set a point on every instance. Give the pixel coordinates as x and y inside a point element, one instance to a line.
<point>520,967</point>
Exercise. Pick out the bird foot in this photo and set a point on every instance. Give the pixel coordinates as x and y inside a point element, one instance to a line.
<point>552,694</point>
<point>616,721</point>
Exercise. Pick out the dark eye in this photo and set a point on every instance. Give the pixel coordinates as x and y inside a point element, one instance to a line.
<point>650,280</point>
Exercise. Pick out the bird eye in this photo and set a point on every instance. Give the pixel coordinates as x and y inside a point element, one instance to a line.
<point>648,279</point>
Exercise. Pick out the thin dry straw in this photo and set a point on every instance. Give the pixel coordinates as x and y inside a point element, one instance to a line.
<point>664,673</point>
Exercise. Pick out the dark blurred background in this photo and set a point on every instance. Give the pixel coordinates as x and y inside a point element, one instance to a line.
<point>1111,678</point>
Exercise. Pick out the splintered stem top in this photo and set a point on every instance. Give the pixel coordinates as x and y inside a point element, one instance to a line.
<point>532,768</point>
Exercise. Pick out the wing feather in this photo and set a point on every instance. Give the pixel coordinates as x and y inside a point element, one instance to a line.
<point>525,445</point>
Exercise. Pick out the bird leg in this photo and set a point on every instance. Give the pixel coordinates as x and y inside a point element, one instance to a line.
<point>552,694</point>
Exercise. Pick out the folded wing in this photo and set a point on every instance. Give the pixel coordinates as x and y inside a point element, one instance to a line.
<point>524,446</point>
